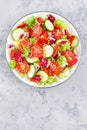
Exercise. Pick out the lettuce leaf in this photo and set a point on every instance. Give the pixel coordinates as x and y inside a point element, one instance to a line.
<point>61,24</point>
<point>12,64</point>
<point>62,61</point>
<point>31,22</point>
<point>26,52</point>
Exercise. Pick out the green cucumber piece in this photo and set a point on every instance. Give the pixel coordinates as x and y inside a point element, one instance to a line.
<point>65,73</point>
<point>44,75</point>
<point>48,51</point>
<point>75,42</point>
<point>32,60</point>
<point>15,34</point>
<point>32,71</point>
<point>61,40</point>
<point>49,26</point>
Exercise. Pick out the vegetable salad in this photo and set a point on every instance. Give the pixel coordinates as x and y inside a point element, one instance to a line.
<point>43,49</point>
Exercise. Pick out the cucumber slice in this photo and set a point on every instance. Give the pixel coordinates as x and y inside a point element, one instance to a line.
<point>32,71</point>
<point>16,34</point>
<point>62,40</point>
<point>65,73</point>
<point>49,26</point>
<point>32,60</point>
<point>48,51</point>
<point>44,75</point>
<point>75,42</point>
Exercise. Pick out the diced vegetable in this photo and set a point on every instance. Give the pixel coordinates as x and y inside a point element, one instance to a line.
<point>62,61</point>
<point>32,60</point>
<point>16,34</point>
<point>32,71</point>
<point>12,64</point>
<point>48,51</point>
<point>31,21</point>
<point>65,73</point>
<point>49,26</point>
<point>44,75</point>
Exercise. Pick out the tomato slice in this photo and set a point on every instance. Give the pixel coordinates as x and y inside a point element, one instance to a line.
<point>57,33</point>
<point>45,33</point>
<point>12,54</point>
<point>22,44</point>
<point>37,51</point>
<point>67,33</point>
<point>55,46</point>
<point>71,57</point>
<point>36,31</point>
<point>72,39</point>
<point>28,30</point>
<point>47,70</point>
<point>33,80</point>
<point>21,25</point>
<point>22,67</point>
<point>40,20</point>
<point>55,68</point>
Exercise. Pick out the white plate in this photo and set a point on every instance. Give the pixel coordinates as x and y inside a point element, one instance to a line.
<point>71,29</point>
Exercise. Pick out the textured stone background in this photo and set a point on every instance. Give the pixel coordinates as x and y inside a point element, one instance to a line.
<point>27,108</point>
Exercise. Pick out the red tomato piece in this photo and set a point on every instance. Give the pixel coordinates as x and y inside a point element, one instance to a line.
<point>22,67</point>
<point>55,46</point>
<point>47,70</point>
<point>22,44</point>
<point>33,80</point>
<point>40,20</point>
<point>37,51</point>
<point>72,38</point>
<point>12,54</point>
<point>28,30</point>
<point>57,33</point>
<point>71,57</point>
<point>36,31</point>
<point>67,33</point>
<point>43,39</point>
<point>45,33</point>
<point>21,25</point>
<point>55,68</point>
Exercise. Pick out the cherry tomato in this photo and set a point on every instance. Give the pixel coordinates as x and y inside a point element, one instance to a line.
<point>55,68</point>
<point>37,51</point>
<point>22,44</point>
<point>57,33</point>
<point>22,67</point>
<point>71,57</point>
<point>36,31</point>
<point>67,33</point>
<point>21,25</point>
<point>72,38</point>
<point>55,46</point>
<point>40,20</point>
<point>12,54</point>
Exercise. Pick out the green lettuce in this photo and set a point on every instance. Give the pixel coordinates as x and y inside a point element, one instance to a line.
<point>33,40</point>
<point>61,24</point>
<point>62,61</point>
<point>49,81</point>
<point>65,46</point>
<point>26,52</point>
<point>31,21</point>
<point>12,64</point>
